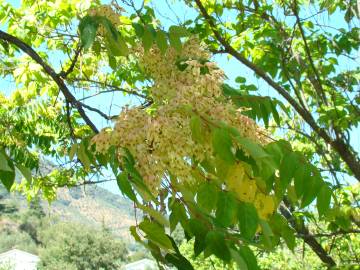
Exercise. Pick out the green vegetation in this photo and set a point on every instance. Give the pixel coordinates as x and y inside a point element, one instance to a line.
<point>59,244</point>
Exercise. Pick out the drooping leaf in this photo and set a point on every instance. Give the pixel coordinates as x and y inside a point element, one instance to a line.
<point>125,186</point>
<point>26,172</point>
<point>207,197</point>
<point>196,129</point>
<point>247,254</point>
<point>215,244</point>
<point>8,177</point>
<point>323,199</point>
<point>222,144</point>
<point>161,41</point>
<point>226,209</point>
<point>248,220</point>
<point>4,166</point>
<point>87,28</point>
<point>255,150</point>
<point>156,233</point>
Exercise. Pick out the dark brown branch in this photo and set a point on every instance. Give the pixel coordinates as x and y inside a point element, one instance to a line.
<point>104,115</point>
<point>309,239</point>
<point>315,82</point>
<point>346,153</point>
<point>341,232</point>
<point>63,74</point>
<point>51,72</point>
<point>114,87</point>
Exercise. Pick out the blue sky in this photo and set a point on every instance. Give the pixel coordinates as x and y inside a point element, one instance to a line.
<point>231,67</point>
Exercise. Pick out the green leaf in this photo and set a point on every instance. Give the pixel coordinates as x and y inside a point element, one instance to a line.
<point>222,145</point>
<point>301,175</point>
<point>178,214</point>
<point>196,129</point>
<point>139,29</point>
<point>175,41</point>
<point>215,244</point>
<point>323,199</point>
<point>288,166</point>
<point>156,234</point>
<point>179,31</point>
<point>4,163</point>
<point>161,41</point>
<point>87,28</point>
<point>254,149</point>
<point>313,186</point>
<point>199,230</point>
<point>289,236</point>
<point>26,172</point>
<point>147,38</point>
<point>82,155</point>
<point>207,197</point>
<point>248,220</point>
<point>240,79</point>
<point>117,46</point>
<point>179,261</point>
<point>154,214</point>
<point>125,186</point>
<point>8,177</point>
<point>267,234</point>
<point>247,254</point>
<point>73,151</point>
<point>238,259</point>
<point>275,113</point>
<point>135,234</point>
<point>226,209</point>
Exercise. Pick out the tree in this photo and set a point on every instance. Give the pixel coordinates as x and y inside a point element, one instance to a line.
<point>74,246</point>
<point>191,152</point>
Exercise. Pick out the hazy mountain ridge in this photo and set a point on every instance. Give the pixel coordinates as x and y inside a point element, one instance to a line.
<point>91,205</point>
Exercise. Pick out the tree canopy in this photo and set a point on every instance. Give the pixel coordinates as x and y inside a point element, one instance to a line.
<point>239,167</point>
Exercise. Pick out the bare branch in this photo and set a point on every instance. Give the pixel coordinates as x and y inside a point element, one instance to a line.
<point>51,72</point>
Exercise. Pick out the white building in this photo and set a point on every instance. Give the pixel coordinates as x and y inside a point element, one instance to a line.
<point>19,260</point>
<point>144,264</point>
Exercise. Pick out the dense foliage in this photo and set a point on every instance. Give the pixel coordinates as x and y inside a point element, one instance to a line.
<point>238,171</point>
<point>59,244</point>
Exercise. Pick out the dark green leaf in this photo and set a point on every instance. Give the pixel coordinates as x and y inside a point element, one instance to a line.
<point>226,209</point>
<point>247,254</point>
<point>26,172</point>
<point>8,177</point>
<point>4,163</point>
<point>248,220</point>
<point>288,166</point>
<point>161,41</point>
<point>254,149</point>
<point>147,38</point>
<point>222,144</point>
<point>156,234</point>
<point>196,129</point>
<point>125,186</point>
<point>323,199</point>
<point>215,244</point>
<point>207,197</point>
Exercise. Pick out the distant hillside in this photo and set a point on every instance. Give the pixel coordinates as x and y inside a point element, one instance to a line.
<point>91,205</point>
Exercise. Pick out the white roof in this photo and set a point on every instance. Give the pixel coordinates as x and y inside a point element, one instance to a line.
<point>19,260</point>
<point>141,265</point>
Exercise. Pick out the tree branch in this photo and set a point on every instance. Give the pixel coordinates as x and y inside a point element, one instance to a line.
<point>63,74</point>
<point>309,239</point>
<point>51,72</point>
<point>348,156</point>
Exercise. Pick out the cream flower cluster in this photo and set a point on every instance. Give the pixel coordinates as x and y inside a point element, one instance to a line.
<point>185,83</point>
<point>111,12</point>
